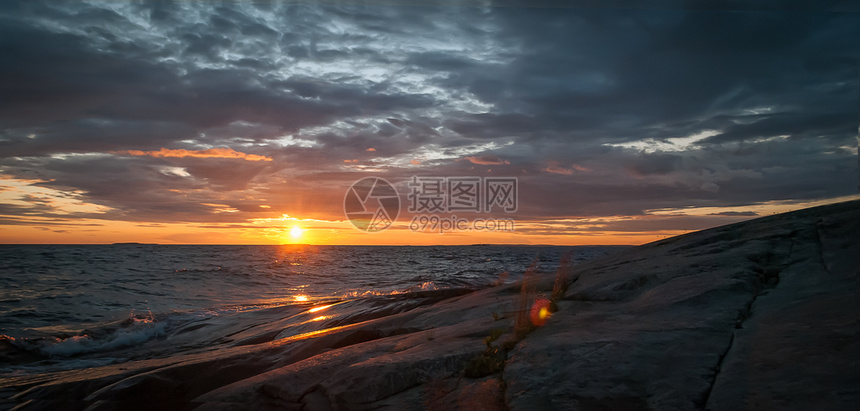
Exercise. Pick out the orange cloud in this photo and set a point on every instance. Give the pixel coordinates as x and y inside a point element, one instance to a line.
<point>556,169</point>
<point>370,149</point>
<point>487,160</point>
<point>182,153</point>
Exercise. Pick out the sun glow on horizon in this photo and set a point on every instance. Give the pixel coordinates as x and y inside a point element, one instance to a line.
<point>296,232</point>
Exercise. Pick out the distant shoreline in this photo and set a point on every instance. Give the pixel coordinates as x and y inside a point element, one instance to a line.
<point>323,245</point>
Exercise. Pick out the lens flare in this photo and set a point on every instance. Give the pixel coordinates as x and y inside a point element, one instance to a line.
<point>540,312</point>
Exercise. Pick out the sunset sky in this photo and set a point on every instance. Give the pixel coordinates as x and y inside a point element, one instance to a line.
<point>233,122</point>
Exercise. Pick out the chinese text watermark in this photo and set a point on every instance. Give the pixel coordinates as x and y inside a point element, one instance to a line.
<point>372,204</point>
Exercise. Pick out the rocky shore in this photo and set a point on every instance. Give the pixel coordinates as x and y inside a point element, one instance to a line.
<point>756,315</point>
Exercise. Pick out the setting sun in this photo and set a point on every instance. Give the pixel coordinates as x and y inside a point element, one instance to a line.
<point>296,232</point>
<point>508,205</point>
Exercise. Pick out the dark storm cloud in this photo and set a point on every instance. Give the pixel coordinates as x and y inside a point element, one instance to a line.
<point>118,86</point>
<point>91,135</point>
<point>656,164</point>
<point>644,226</point>
<point>628,74</point>
<point>837,126</point>
<point>737,213</point>
<point>589,105</point>
<point>659,74</point>
<point>145,189</point>
<point>51,77</point>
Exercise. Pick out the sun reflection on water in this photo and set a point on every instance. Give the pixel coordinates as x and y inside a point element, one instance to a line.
<point>320,308</point>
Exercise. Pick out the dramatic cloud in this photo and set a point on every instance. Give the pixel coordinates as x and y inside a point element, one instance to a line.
<point>232,112</point>
<point>486,160</point>
<point>210,153</point>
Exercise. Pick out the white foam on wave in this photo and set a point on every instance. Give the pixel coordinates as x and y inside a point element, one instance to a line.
<point>138,331</point>
<point>425,286</point>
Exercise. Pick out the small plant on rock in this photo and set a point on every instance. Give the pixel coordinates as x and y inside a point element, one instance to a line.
<point>489,361</point>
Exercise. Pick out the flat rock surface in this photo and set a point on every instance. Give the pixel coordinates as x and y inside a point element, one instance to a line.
<point>756,315</point>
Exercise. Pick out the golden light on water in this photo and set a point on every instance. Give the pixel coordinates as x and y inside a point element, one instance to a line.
<point>320,308</point>
<point>300,297</point>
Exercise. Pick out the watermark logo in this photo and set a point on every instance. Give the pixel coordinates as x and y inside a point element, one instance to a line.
<point>371,204</point>
<point>462,194</point>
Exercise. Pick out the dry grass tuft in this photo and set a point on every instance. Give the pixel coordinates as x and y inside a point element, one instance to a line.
<point>522,323</point>
<point>562,279</point>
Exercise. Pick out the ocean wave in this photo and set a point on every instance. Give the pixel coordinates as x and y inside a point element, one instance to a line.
<point>205,297</point>
<point>130,332</point>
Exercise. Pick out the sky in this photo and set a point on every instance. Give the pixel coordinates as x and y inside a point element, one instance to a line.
<point>233,122</point>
